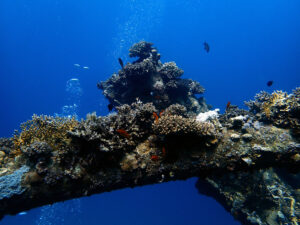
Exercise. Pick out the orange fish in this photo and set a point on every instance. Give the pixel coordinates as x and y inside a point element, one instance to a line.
<point>164,151</point>
<point>123,133</point>
<point>155,116</point>
<point>154,158</point>
<point>228,105</point>
<point>161,112</point>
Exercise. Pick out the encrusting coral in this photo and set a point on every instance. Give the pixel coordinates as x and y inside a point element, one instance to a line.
<point>174,125</point>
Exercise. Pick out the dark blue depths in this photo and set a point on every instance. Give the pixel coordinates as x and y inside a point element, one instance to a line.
<point>251,42</point>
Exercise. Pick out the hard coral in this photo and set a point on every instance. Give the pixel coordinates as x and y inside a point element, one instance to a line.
<point>176,109</point>
<point>119,132</point>
<point>169,70</point>
<point>51,130</point>
<point>151,81</point>
<point>279,108</point>
<point>177,134</point>
<point>180,126</point>
<point>37,151</point>
<point>141,49</point>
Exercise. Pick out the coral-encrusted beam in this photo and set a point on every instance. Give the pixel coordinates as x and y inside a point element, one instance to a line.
<point>129,149</point>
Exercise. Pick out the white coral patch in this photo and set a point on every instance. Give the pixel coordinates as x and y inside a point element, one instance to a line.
<point>210,115</point>
<point>241,118</point>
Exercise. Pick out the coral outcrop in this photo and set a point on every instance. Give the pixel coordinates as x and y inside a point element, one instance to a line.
<point>152,81</point>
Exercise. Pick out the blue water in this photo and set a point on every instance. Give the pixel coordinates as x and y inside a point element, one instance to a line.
<point>251,43</point>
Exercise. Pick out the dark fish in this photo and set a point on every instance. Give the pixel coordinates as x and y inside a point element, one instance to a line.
<point>110,107</point>
<point>99,86</point>
<point>206,46</point>
<point>270,83</point>
<point>121,62</point>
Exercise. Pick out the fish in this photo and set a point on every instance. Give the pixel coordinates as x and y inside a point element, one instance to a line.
<point>110,107</point>
<point>154,157</point>
<point>155,116</point>
<point>121,62</point>
<point>123,133</point>
<point>161,112</point>
<point>270,83</point>
<point>86,67</point>
<point>164,151</point>
<point>76,64</point>
<point>22,213</point>
<point>206,46</point>
<point>228,105</point>
<point>99,85</point>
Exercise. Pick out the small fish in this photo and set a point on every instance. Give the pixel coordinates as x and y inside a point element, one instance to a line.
<point>155,116</point>
<point>77,65</point>
<point>154,158</point>
<point>121,63</point>
<point>206,46</point>
<point>228,105</point>
<point>161,112</point>
<point>164,151</point>
<point>110,107</point>
<point>270,83</point>
<point>99,85</point>
<point>86,67</point>
<point>123,133</point>
<point>22,213</point>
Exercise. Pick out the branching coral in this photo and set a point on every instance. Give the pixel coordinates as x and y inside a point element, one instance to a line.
<point>276,99</point>
<point>51,130</point>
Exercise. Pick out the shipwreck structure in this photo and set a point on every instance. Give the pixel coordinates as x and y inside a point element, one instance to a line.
<point>247,160</point>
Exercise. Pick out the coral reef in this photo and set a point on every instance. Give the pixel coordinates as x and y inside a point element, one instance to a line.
<point>278,108</point>
<point>151,81</point>
<point>118,132</point>
<point>140,145</point>
<point>247,160</point>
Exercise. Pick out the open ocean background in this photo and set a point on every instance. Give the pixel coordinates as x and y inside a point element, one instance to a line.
<point>251,41</point>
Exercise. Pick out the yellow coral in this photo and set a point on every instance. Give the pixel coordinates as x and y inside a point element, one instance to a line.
<point>266,108</point>
<point>277,98</point>
<point>52,130</point>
